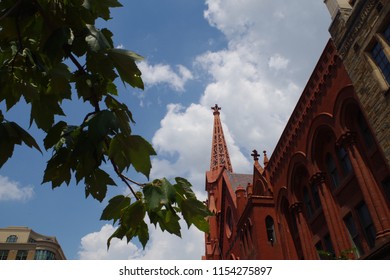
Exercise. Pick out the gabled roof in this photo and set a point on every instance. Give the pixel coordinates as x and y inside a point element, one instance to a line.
<point>237,179</point>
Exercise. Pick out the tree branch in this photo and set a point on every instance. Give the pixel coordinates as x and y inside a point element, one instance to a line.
<point>124,179</point>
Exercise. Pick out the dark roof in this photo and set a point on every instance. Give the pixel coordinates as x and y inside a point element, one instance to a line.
<point>239,179</point>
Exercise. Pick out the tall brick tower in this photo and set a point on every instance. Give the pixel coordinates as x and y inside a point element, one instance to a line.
<point>360,30</point>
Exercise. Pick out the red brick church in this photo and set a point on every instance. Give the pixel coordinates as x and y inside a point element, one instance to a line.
<point>324,192</point>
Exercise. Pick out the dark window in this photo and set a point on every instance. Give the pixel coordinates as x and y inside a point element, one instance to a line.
<point>4,254</point>
<point>270,226</point>
<point>344,160</point>
<point>332,170</point>
<point>328,244</point>
<point>386,34</point>
<point>12,239</point>
<point>320,250</point>
<point>365,131</point>
<point>21,255</point>
<point>381,60</point>
<point>324,248</point>
<point>354,234</point>
<point>316,196</point>
<point>366,223</point>
<point>307,200</point>
<point>386,187</point>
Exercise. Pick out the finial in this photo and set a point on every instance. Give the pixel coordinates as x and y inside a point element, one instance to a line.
<point>265,158</point>
<point>255,155</point>
<point>216,109</point>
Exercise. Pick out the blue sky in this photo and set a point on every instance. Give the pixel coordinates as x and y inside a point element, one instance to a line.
<point>252,57</point>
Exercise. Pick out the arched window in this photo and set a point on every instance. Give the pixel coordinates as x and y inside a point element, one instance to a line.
<point>344,160</point>
<point>332,170</point>
<point>270,226</point>
<point>307,201</point>
<point>12,239</point>
<point>365,130</point>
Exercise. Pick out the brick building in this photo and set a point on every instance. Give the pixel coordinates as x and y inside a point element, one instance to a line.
<point>360,30</point>
<point>22,243</point>
<point>324,192</point>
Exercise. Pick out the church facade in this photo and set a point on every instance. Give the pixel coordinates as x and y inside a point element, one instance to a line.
<point>323,194</point>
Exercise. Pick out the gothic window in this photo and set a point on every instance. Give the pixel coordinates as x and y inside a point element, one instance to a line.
<point>361,229</point>
<point>354,235</point>
<point>316,196</point>
<point>324,248</point>
<point>365,130</point>
<point>366,224</point>
<point>270,226</point>
<point>332,170</point>
<point>380,53</point>
<point>344,160</point>
<point>12,239</point>
<point>307,201</point>
<point>386,187</point>
<point>381,60</point>
<point>328,244</point>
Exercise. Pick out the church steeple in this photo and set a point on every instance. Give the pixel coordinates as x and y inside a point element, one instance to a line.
<point>219,152</point>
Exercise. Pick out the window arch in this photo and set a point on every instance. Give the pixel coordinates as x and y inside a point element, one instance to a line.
<point>12,239</point>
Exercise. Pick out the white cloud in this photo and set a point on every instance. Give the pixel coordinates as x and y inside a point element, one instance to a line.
<point>93,245</point>
<point>278,62</point>
<point>164,74</point>
<point>13,191</point>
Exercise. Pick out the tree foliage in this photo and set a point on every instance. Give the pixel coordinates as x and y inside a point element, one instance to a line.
<point>51,51</point>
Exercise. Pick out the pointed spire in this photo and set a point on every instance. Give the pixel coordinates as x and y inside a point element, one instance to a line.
<point>219,152</point>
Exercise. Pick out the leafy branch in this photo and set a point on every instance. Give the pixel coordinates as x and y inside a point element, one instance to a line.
<point>38,41</point>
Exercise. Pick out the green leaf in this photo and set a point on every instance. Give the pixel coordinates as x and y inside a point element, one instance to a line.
<point>132,224</point>
<point>101,7</point>
<point>131,150</point>
<point>101,124</point>
<point>183,188</point>
<point>167,219</point>
<point>115,207</point>
<point>58,169</point>
<point>96,184</point>
<point>43,110</point>
<point>195,212</point>
<point>155,195</point>
<point>24,136</point>
<point>96,39</point>
<point>12,134</point>
<point>54,134</point>
<point>124,62</point>
<point>140,151</point>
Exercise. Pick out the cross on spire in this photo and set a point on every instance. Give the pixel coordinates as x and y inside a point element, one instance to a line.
<point>255,155</point>
<point>216,109</point>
